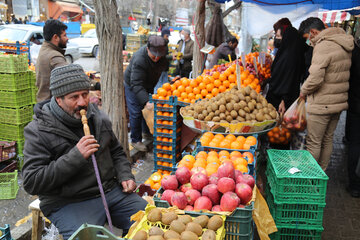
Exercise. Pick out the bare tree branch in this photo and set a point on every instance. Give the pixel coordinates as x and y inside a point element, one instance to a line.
<point>233,7</point>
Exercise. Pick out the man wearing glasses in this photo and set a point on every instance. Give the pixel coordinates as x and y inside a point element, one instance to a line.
<point>141,77</point>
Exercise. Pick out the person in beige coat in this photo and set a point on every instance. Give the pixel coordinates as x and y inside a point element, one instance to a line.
<point>326,88</point>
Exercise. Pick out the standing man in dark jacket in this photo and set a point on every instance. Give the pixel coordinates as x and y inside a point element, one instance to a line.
<point>186,47</point>
<point>51,55</point>
<point>224,50</point>
<point>141,76</point>
<point>57,155</point>
<point>353,120</point>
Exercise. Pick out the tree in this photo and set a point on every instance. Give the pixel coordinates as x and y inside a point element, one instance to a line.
<point>109,33</point>
<point>198,57</point>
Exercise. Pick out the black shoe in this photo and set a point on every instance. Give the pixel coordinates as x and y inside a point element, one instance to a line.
<point>353,192</point>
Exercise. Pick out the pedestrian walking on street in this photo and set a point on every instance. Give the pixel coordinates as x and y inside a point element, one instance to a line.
<point>326,88</point>
<point>141,76</point>
<point>58,166</point>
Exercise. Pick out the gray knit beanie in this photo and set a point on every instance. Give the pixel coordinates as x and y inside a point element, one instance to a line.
<point>68,79</point>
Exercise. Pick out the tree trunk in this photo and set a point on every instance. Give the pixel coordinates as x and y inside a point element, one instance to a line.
<point>198,56</point>
<point>109,33</point>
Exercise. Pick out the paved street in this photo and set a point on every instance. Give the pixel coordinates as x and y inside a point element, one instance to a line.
<point>88,63</point>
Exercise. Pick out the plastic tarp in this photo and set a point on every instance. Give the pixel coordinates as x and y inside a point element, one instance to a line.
<point>325,4</point>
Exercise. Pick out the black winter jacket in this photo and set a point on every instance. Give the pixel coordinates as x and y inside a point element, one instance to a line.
<point>54,168</point>
<point>142,74</point>
<point>354,81</point>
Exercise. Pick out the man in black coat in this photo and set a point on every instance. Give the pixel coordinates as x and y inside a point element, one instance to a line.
<point>141,76</point>
<point>224,50</point>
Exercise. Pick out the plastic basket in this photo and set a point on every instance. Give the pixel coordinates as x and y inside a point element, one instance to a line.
<point>12,132</point>
<point>20,147</point>
<point>92,232</point>
<point>5,232</point>
<point>7,150</point>
<point>306,215</point>
<point>31,78</point>
<point>16,115</point>
<point>15,99</point>
<point>10,63</point>
<point>34,91</point>
<point>8,185</point>
<point>14,81</point>
<point>144,224</point>
<point>295,233</point>
<point>307,186</point>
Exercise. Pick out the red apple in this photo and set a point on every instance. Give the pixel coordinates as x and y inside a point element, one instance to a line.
<point>167,194</point>
<point>183,175</point>
<point>244,192</point>
<point>226,170</point>
<point>203,203</point>
<point>185,187</point>
<point>211,192</point>
<point>169,182</point>
<point>198,181</point>
<point>179,199</point>
<point>213,179</point>
<point>216,208</point>
<point>189,208</point>
<point>249,180</point>
<point>237,173</point>
<point>198,170</point>
<point>229,202</point>
<point>226,184</point>
<point>239,178</point>
<point>241,206</point>
<point>192,195</point>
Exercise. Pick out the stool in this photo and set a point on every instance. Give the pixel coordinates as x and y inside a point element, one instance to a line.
<point>37,220</point>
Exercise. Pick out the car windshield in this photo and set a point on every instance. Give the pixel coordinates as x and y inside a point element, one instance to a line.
<point>90,34</point>
<point>12,34</point>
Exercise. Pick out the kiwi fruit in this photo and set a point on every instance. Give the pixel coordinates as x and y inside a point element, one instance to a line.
<point>185,219</point>
<point>222,108</point>
<point>208,118</point>
<point>168,217</point>
<point>229,118</point>
<point>209,235</point>
<point>237,106</point>
<point>216,119</point>
<point>251,106</point>
<point>155,231</point>
<point>273,114</point>
<point>222,116</point>
<point>177,226</point>
<point>154,215</point>
<point>259,117</point>
<point>194,227</point>
<point>170,234</point>
<point>204,112</point>
<point>188,235</point>
<point>247,109</point>
<point>233,114</point>
<point>140,235</point>
<point>214,107</point>
<point>247,98</point>
<point>201,116</point>
<point>156,237</point>
<point>215,222</point>
<point>267,116</point>
<point>253,94</point>
<point>242,113</point>
<point>202,220</point>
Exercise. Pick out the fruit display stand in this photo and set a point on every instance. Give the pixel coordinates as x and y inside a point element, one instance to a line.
<point>9,185</point>
<point>14,48</point>
<point>296,194</point>
<point>5,233</point>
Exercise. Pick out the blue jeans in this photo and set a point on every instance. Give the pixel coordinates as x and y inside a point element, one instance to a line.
<point>137,121</point>
<point>353,137</point>
<point>121,207</point>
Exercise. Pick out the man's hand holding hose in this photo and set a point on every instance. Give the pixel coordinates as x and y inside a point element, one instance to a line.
<point>87,146</point>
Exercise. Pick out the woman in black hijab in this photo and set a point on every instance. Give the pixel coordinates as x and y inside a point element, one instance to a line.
<point>288,67</point>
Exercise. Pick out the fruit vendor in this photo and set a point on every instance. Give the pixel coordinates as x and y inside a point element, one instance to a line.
<point>326,88</point>
<point>141,76</point>
<point>224,50</point>
<point>186,46</point>
<point>58,166</point>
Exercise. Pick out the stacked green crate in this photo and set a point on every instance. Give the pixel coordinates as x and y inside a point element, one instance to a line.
<point>296,193</point>
<point>34,89</point>
<point>16,103</point>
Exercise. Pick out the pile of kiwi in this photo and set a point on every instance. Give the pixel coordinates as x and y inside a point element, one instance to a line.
<point>234,106</point>
<point>180,227</point>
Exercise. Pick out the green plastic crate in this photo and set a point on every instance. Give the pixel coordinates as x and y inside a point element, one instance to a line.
<point>307,186</point>
<point>5,232</point>
<point>8,185</point>
<point>14,81</point>
<point>15,99</point>
<point>238,226</point>
<point>12,132</point>
<point>297,233</point>
<point>20,147</point>
<point>10,63</point>
<point>34,90</point>
<point>307,215</point>
<point>92,232</point>
<point>31,78</point>
<point>16,115</point>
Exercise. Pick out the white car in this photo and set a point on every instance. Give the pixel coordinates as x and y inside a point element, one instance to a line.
<point>25,32</point>
<point>88,43</point>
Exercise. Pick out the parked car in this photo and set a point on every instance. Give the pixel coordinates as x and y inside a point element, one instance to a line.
<point>27,32</point>
<point>87,43</point>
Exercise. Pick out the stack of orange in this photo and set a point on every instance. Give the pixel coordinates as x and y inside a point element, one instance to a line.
<point>155,179</point>
<point>279,135</point>
<point>212,160</point>
<point>229,141</point>
<point>248,79</point>
<point>32,67</point>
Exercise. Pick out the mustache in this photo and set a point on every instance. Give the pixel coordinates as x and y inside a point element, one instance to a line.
<point>80,108</point>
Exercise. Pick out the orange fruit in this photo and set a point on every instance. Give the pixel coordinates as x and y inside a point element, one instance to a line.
<point>166,86</point>
<point>191,95</point>
<point>188,89</point>
<point>211,159</point>
<point>200,162</point>
<point>230,137</point>
<point>235,154</point>
<point>177,83</point>
<point>219,136</point>
<point>206,80</point>
<point>213,153</point>
<point>198,96</point>
<point>204,92</point>
<point>183,95</point>
<point>176,93</point>
<point>189,158</point>
<point>214,144</point>
<point>224,153</point>
<point>201,154</point>
<point>149,182</point>
<point>156,186</point>
<point>251,140</point>
<point>211,169</point>
<point>232,78</point>
<point>235,145</point>
<point>209,135</point>
<point>209,95</point>
<point>161,92</point>
<point>181,88</point>
<point>216,75</point>
<point>225,144</point>
<point>196,90</point>
<point>226,84</point>
<point>155,177</point>
<point>202,85</point>
<point>222,77</point>
<point>209,87</point>
<point>215,91</point>
<point>193,83</point>
<point>246,146</point>
<point>185,82</point>
<point>217,83</point>
<point>199,79</point>
<point>241,168</point>
<point>241,139</point>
